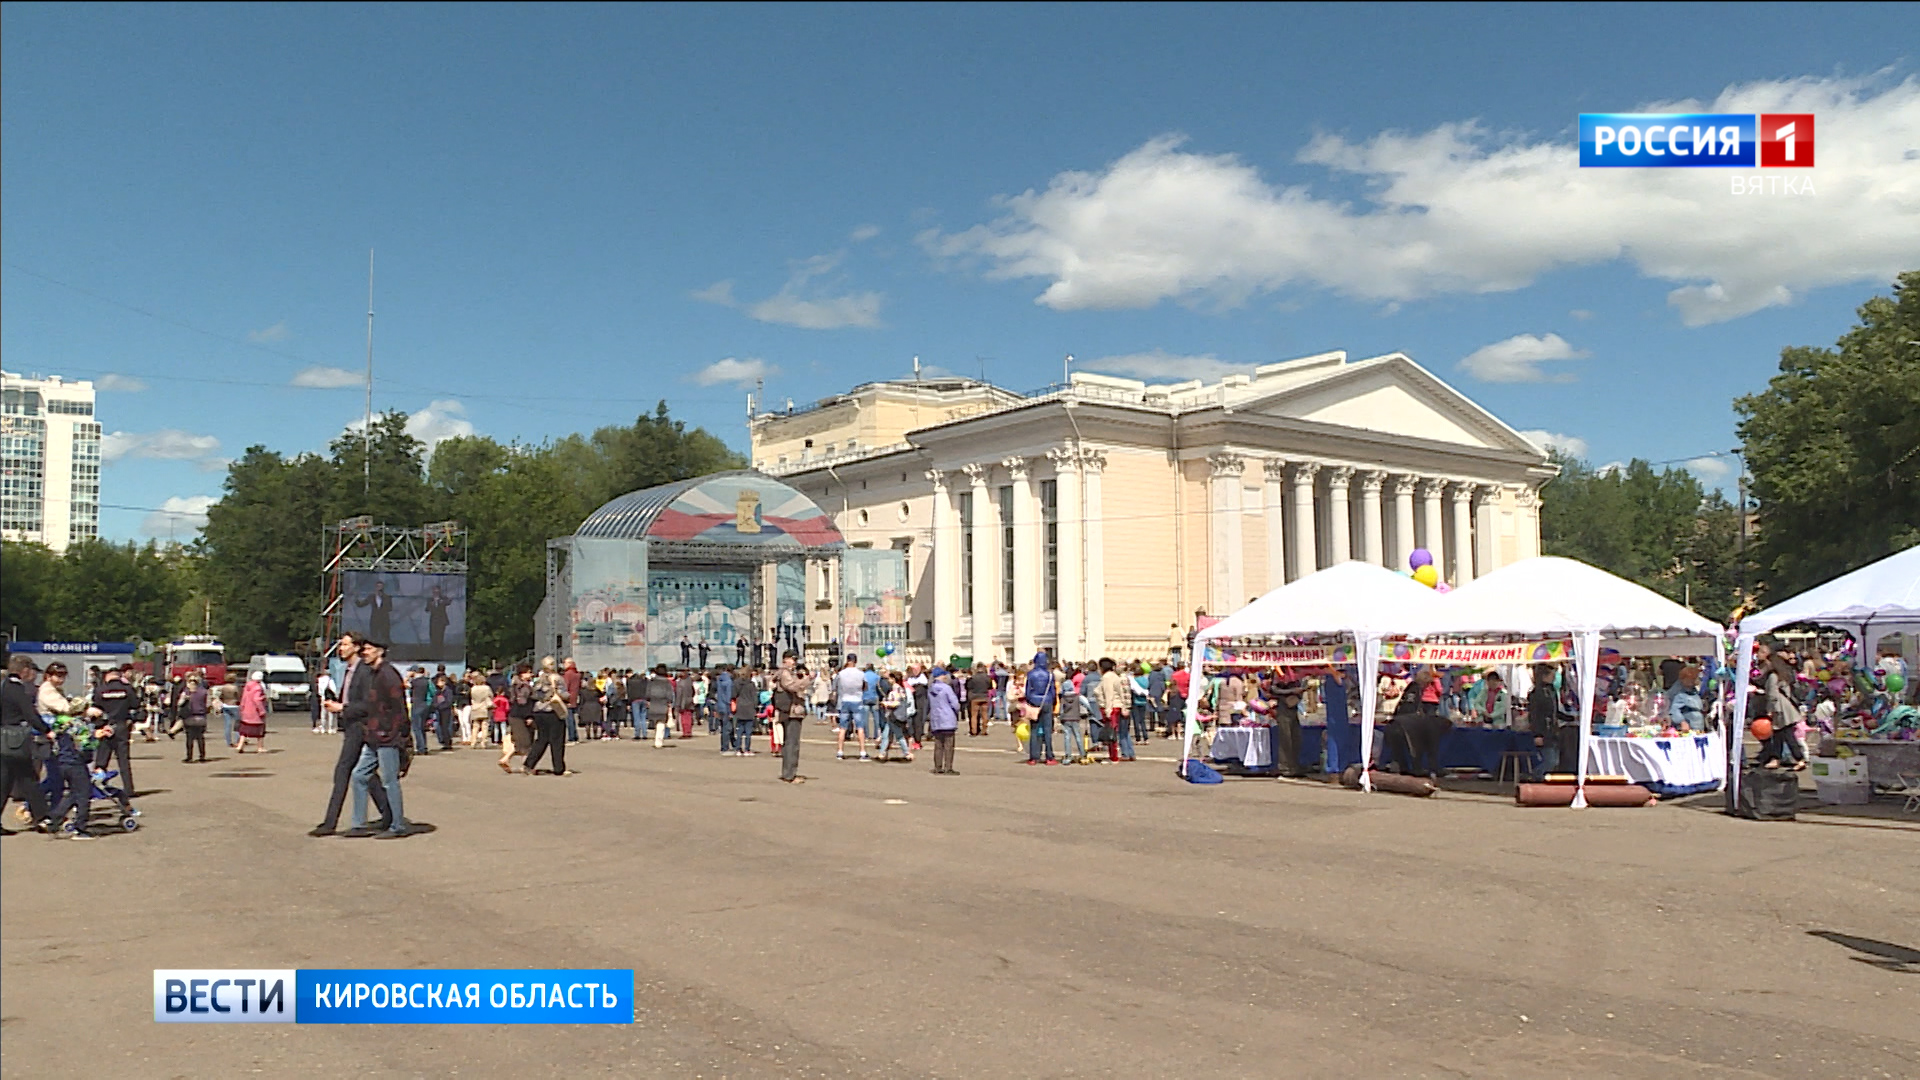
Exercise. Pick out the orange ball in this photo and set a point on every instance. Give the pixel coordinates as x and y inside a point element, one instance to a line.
<point>1762,729</point>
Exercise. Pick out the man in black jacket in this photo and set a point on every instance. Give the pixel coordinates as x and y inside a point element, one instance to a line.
<point>381,716</point>
<point>20,719</point>
<point>353,689</point>
<point>119,702</point>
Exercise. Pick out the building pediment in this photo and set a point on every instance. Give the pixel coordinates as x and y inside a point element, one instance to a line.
<point>1391,395</point>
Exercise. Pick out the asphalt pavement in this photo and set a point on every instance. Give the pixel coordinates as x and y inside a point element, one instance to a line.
<point>1011,921</point>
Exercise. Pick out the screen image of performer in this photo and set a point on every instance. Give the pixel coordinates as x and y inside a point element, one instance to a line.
<point>380,619</point>
<point>437,603</point>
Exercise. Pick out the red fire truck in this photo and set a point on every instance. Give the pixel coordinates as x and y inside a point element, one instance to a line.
<point>197,653</point>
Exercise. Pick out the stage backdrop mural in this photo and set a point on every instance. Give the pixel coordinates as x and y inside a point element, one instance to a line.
<point>609,604</point>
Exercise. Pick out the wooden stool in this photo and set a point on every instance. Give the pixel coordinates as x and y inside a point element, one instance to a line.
<point>1521,762</point>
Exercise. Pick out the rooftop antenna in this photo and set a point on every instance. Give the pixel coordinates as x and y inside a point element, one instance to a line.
<point>916,369</point>
<point>1066,371</point>
<point>366,433</point>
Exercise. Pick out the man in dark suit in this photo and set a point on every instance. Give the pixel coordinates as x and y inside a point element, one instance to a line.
<point>380,619</point>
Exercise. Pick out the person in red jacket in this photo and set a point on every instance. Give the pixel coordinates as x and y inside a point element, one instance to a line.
<point>387,738</point>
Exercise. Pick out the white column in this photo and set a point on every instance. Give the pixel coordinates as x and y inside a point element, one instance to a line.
<point>1370,523</point>
<point>1026,560</point>
<point>945,568</point>
<point>1432,525</point>
<point>1224,550</point>
<point>1462,546</point>
<point>1276,475</point>
<point>1486,499</point>
<point>1527,521</point>
<point>986,562</point>
<point>1092,464</point>
<point>1339,516</point>
<point>1306,553</point>
<point>1068,621</point>
<point>1403,543</point>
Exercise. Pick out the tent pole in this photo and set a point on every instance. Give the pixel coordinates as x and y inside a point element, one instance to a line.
<point>1196,685</point>
<point>1737,727</point>
<point>1589,683</point>
<point>1368,646</point>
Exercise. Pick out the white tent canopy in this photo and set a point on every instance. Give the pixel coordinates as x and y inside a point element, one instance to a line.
<point>1346,598</point>
<point>1878,599</point>
<point>1555,596</point>
<point>1882,596</point>
<point>1352,599</point>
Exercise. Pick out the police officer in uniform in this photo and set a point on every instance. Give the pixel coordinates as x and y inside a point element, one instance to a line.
<point>117,698</point>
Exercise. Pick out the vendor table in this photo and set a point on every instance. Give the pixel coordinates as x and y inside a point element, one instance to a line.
<point>1887,759</point>
<point>1250,747</point>
<point>1680,765</point>
<point>1462,748</point>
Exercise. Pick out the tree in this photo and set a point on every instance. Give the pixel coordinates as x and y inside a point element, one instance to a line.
<point>1833,445</point>
<point>262,544</point>
<point>1659,529</point>
<point>96,591</point>
<point>119,592</point>
<point>27,599</point>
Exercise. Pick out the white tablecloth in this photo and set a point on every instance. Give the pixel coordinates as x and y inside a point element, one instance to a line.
<point>1250,746</point>
<point>1683,761</point>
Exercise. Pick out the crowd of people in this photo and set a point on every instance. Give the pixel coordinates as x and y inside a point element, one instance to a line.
<point>57,743</point>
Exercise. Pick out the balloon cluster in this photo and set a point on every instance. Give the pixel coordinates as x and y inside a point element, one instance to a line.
<point>883,651</point>
<point>1420,567</point>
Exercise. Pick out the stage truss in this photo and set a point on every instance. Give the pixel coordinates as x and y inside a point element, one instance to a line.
<point>358,544</point>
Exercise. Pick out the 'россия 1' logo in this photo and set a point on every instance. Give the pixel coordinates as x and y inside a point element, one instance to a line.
<point>1696,140</point>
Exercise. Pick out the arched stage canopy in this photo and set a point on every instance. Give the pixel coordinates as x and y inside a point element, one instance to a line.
<point>709,560</point>
<point>742,507</point>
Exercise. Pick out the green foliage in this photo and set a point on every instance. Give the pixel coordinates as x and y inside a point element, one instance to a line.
<point>1660,529</point>
<point>1834,447</point>
<point>97,591</point>
<point>263,539</point>
<point>28,587</point>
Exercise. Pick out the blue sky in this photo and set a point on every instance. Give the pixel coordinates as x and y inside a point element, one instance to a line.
<point>580,210</point>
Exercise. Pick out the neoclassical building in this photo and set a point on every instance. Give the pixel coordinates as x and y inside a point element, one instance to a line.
<point>1101,517</point>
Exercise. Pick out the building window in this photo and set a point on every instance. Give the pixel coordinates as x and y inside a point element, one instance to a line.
<point>70,408</point>
<point>1006,550</point>
<point>1050,526</point>
<point>966,553</point>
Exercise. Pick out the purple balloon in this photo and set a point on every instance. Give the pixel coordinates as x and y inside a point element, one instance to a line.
<point>1420,557</point>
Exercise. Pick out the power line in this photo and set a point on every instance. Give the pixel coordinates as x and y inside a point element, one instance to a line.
<point>297,358</point>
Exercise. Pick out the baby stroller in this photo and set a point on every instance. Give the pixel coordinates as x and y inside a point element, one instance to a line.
<point>103,790</point>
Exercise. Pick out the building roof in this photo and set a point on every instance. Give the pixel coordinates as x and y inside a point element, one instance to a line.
<point>743,507</point>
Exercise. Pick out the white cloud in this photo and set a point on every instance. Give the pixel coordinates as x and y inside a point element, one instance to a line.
<point>720,292</point>
<point>864,233</point>
<point>321,377</point>
<point>167,444</point>
<point>1711,468</point>
<point>1458,210</point>
<point>178,517</point>
<point>1581,314</point>
<point>1570,445</point>
<point>1518,359</point>
<point>1161,364</point>
<point>125,384</point>
<point>800,302</point>
<point>277,332</point>
<point>440,420</point>
<point>741,372</point>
